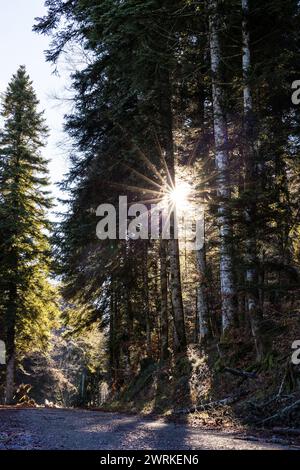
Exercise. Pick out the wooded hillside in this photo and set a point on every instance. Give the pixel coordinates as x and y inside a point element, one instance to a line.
<point>189,104</point>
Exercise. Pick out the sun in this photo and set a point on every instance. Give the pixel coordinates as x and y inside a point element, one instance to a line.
<point>179,196</point>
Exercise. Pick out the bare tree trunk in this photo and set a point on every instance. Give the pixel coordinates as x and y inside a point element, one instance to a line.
<point>112,332</point>
<point>164,320</point>
<point>176,294</point>
<point>10,345</point>
<point>128,327</point>
<point>173,244</point>
<point>223,181</point>
<point>115,349</point>
<point>147,306</point>
<point>157,303</point>
<point>202,304</point>
<point>10,379</point>
<point>251,275</point>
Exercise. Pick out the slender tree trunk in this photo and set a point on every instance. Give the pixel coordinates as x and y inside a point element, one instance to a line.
<point>10,377</point>
<point>128,310</point>
<point>12,307</point>
<point>117,342</point>
<point>173,244</point>
<point>115,349</point>
<point>202,304</point>
<point>164,321</point>
<point>10,345</point>
<point>176,294</point>
<point>129,328</point>
<point>223,181</point>
<point>157,302</point>
<point>146,300</point>
<point>251,275</point>
<point>112,333</point>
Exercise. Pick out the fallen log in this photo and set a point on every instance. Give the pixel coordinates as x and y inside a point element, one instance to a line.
<point>288,431</point>
<point>281,412</point>
<point>212,404</point>
<point>240,373</point>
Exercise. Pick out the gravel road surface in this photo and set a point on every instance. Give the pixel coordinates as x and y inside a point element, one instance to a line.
<point>94,430</point>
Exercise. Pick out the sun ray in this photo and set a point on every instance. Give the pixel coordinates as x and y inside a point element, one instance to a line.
<point>134,188</point>
<point>144,177</point>
<point>150,165</point>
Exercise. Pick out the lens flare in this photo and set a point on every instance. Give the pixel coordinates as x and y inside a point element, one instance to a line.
<point>179,196</point>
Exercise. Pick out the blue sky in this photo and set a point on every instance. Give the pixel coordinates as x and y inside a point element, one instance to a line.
<point>20,46</point>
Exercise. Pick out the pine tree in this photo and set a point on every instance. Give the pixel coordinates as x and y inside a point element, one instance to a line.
<point>27,298</point>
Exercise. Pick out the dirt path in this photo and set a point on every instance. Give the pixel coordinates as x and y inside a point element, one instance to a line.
<point>93,430</point>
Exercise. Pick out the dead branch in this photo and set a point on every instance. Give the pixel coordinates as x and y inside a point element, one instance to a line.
<point>282,412</point>
<point>288,431</point>
<point>240,373</point>
<point>212,404</point>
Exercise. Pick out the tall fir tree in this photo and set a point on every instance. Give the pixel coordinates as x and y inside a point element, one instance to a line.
<point>27,297</point>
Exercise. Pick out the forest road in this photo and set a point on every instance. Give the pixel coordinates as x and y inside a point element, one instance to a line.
<point>60,429</point>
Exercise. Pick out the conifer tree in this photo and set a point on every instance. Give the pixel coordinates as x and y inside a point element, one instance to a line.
<point>27,298</point>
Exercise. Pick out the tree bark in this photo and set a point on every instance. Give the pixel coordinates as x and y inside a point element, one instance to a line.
<point>251,175</point>
<point>164,320</point>
<point>146,300</point>
<point>11,314</point>
<point>223,181</point>
<point>202,304</point>
<point>173,244</point>
<point>115,349</point>
<point>176,295</point>
<point>112,333</point>
<point>10,378</point>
